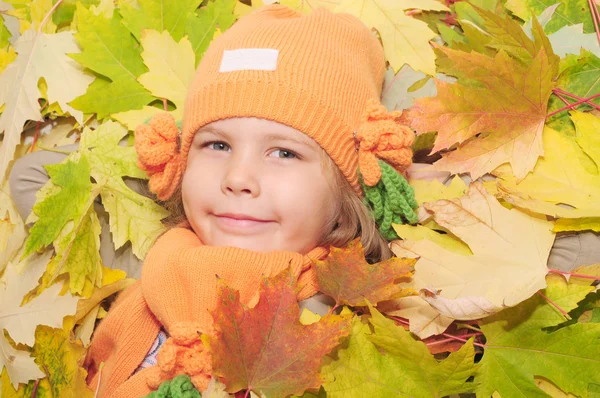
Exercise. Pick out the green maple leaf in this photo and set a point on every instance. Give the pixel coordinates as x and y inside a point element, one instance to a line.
<point>581,78</point>
<point>389,362</point>
<point>77,253</point>
<point>133,217</point>
<point>518,348</point>
<point>570,12</point>
<point>203,24</point>
<point>109,50</point>
<point>69,201</point>
<point>160,15</point>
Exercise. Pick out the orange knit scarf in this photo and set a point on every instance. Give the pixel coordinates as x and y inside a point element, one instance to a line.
<point>179,285</point>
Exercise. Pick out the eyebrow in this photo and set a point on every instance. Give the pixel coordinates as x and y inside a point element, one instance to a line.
<point>268,136</point>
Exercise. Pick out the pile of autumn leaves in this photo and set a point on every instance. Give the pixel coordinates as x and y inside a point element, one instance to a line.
<point>468,305</point>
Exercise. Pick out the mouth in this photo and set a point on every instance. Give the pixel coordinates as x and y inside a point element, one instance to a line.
<point>240,222</point>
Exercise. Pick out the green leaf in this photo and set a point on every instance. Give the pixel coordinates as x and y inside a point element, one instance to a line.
<point>67,203</point>
<point>133,217</point>
<point>77,253</point>
<point>390,362</point>
<point>160,15</point>
<point>517,349</point>
<point>4,35</point>
<point>66,10</point>
<point>203,24</point>
<point>581,79</point>
<point>570,12</point>
<point>109,50</point>
<point>106,98</point>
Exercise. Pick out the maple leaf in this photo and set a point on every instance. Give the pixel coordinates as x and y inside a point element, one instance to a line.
<point>390,362</point>
<point>508,265</point>
<point>405,39</point>
<point>12,228</point>
<point>346,276</point>
<point>110,51</point>
<point>65,215</point>
<point>580,77</point>
<point>21,321</point>
<point>215,17</point>
<point>55,353</point>
<point>518,347</point>
<point>505,108</point>
<point>41,387</point>
<point>163,15</point>
<point>69,201</point>
<point>170,67</point>
<point>562,177</point>
<point>39,56</point>
<point>133,217</point>
<point>569,12</point>
<point>248,356</point>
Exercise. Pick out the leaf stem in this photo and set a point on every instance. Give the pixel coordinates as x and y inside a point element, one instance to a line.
<point>48,15</point>
<point>565,313</point>
<point>247,394</point>
<point>54,150</point>
<point>558,92</point>
<point>573,105</point>
<point>35,387</point>
<point>35,137</point>
<point>595,17</point>
<point>456,338</point>
<point>164,100</point>
<point>99,378</point>
<point>592,277</point>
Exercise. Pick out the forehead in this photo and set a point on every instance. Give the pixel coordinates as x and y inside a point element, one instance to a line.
<point>256,128</point>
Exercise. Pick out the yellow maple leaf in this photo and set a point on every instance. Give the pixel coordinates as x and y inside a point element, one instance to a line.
<point>405,39</point>
<point>55,353</point>
<point>561,178</point>
<point>508,265</point>
<point>12,228</point>
<point>170,65</point>
<point>40,55</point>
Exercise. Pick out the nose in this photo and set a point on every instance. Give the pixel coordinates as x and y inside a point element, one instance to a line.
<point>240,178</point>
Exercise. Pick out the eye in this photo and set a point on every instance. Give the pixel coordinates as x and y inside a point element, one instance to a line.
<point>217,146</point>
<point>284,154</point>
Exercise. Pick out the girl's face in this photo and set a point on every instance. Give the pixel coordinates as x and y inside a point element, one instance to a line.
<point>258,185</point>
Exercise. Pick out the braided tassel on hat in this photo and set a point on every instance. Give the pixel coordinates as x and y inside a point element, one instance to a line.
<point>384,154</point>
<point>158,154</point>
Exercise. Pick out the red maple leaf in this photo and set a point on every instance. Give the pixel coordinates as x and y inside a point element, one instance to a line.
<point>346,276</point>
<point>266,349</point>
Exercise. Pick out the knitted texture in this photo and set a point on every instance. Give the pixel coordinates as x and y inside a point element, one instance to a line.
<point>158,154</point>
<point>177,289</point>
<point>179,387</point>
<point>392,200</point>
<point>382,136</point>
<point>327,67</point>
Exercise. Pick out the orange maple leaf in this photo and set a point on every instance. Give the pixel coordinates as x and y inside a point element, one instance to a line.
<point>497,117</point>
<point>266,349</point>
<point>346,276</point>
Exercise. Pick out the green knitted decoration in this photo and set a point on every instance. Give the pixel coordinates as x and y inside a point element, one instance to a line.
<point>178,387</point>
<point>392,200</point>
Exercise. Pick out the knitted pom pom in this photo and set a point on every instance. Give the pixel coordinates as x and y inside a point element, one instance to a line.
<point>182,353</point>
<point>381,136</point>
<point>392,200</point>
<point>179,387</point>
<point>158,154</point>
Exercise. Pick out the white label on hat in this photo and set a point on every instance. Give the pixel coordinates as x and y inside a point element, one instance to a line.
<point>249,59</point>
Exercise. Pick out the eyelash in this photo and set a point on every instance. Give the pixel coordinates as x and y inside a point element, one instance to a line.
<point>208,144</point>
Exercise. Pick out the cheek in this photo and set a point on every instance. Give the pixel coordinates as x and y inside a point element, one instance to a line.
<point>304,199</point>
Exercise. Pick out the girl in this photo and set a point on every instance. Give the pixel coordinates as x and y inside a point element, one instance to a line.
<point>264,176</point>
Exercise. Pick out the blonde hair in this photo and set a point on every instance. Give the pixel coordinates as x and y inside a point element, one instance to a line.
<point>352,219</point>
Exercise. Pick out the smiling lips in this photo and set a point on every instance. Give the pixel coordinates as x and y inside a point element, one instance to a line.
<point>239,221</point>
